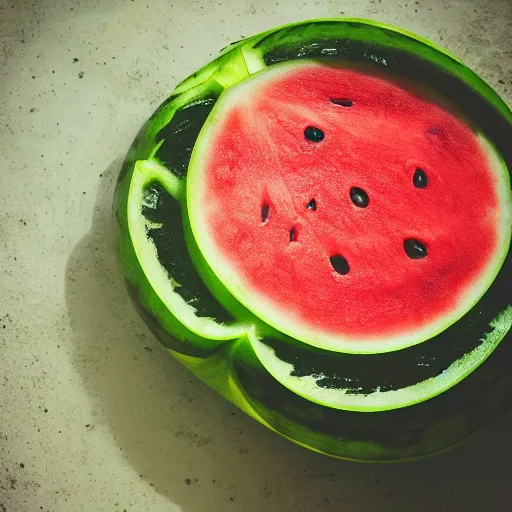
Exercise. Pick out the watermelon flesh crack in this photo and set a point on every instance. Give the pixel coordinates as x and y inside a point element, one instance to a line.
<point>347,208</point>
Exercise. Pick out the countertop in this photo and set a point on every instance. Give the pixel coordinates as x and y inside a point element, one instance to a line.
<point>94,413</point>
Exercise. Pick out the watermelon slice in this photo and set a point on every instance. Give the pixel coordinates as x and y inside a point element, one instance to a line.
<point>317,224</point>
<point>324,216</point>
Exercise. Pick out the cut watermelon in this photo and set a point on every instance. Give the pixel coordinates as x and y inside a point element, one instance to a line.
<point>336,225</point>
<point>317,224</point>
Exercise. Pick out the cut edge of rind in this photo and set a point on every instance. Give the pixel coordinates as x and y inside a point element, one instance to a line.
<point>162,284</point>
<point>384,400</point>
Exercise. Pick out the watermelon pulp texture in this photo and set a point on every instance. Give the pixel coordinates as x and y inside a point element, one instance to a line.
<point>435,365</point>
<point>277,213</point>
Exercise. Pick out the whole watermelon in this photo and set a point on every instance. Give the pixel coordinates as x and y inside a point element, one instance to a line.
<point>317,224</point>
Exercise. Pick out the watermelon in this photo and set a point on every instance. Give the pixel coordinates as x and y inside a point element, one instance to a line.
<point>317,224</point>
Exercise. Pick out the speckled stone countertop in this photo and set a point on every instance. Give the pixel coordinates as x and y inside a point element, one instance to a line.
<point>94,415</point>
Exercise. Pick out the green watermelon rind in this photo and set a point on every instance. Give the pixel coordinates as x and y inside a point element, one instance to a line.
<point>163,323</point>
<point>385,400</point>
<point>427,430</point>
<point>158,279</point>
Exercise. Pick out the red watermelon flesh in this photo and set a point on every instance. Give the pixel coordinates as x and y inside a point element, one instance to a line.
<point>347,202</point>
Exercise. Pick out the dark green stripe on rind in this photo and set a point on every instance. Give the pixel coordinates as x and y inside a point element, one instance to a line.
<point>411,432</point>
<point>230,45</point>
<point>401,54</point>
<point>215,286</point>
<point>395,370</point>
<point>180,134</point>
<point>169,241</point>
<point>195,98</point>
<point>345,38</point>
<point>165,325</point>
<point>182,344</point>
<point>151,137</point>
<point>168,329</point>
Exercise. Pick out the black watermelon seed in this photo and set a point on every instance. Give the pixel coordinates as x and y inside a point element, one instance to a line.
<point>340,264</point>
<point>311,205</point>
<point>293,234</point>
<point>420,179</point>
<point>314,134</point>
<point>359,197</point>
<point>264,212</point>
<point>343,102</point>
<point>415,249</point>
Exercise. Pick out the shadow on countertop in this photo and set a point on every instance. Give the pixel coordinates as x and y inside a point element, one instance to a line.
<point>203,454</point>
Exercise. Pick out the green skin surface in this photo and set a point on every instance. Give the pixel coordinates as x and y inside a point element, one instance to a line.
<point>227,361</point>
